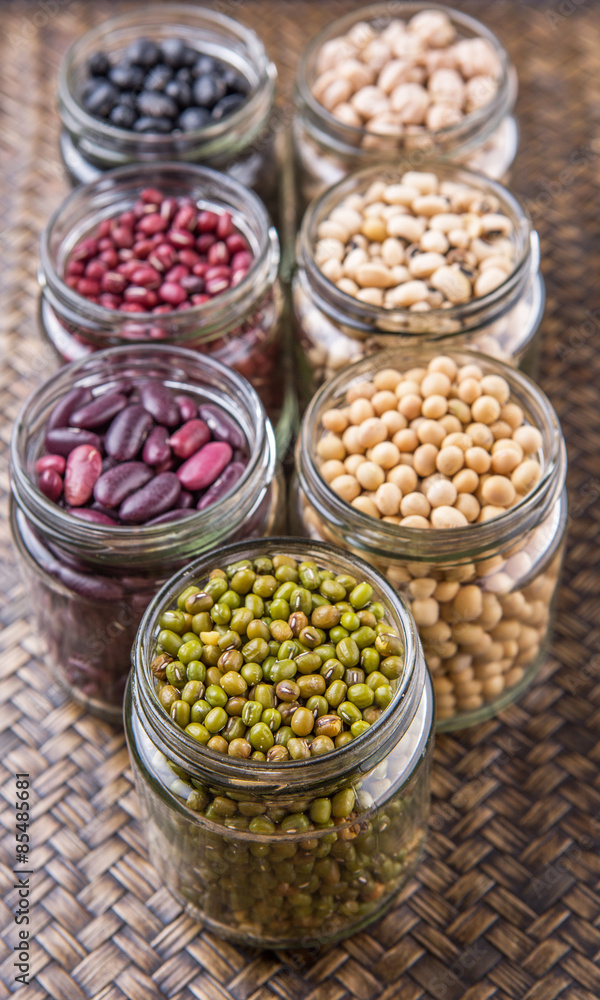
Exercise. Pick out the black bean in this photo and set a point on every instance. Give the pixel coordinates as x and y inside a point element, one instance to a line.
<point>126,76</point>
<point>193,119</point>
<point>236,83</point>
<point>180,92</point>
<point>122,116</point>
<point>185,75</point>
<point>156,105</point>
<point>227,106</point>
<point>158,78</point>
<point>98,64</point>
<point>160,125</point>
<point>101,98</point>
<point>143,52</point>
<point>173,52</point>
<point>208,90</point>
<point>204,66</point>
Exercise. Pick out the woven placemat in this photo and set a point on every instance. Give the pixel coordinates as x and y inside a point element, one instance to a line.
<point>507,901</point>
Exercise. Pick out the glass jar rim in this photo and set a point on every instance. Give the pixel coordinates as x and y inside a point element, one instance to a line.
<point>429,544</point>
<point>356,757</point>
<point>160,15</point>
<point>262,271</point>
<point>492,112</point>
<point>346,309</point>
<point>89,537</point>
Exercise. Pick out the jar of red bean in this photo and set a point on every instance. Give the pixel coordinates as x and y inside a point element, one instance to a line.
<point>163,50</point>
<point>123,467</point>
<point>417,81</point>
<point>447,473</point>
<point>392,257</point>
<point>178,254</point>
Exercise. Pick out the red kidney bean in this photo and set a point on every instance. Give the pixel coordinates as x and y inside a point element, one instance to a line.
<point>158,400</point>
<point>223,485</point>
<point>207,221</point>
<point>96,588</point>
<point>117,484</point>
<point>127,433</point>
<point>126,255</point>
<point>155,498</point>
<point>56,462</point>
<point>186,500</point>
<point>51,484</point>
<point>222,427</point>
<point>201,268</point>
<point>156,447</point>
<point>102,409</point>
<point>218,253</point>
<point>147,276</point>
<point>171,515</point>
<point>62,440</point>
<point>205,466</point>
<point>188,408</point>
<point>84,465</point>
<point>61,411</point>
<point>110,257</point>
<point>172,293</point>
<point>95,516</point>
<point>189,438</point>
<point>163,256</point>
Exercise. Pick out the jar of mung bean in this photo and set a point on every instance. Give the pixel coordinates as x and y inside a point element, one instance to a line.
<point>239,143</point>
<point>457,495</point>
<point>89,578</point>
<point>424,228</point>
<point>301,844</point>
<point>240,326</point>
<point>420,82</point>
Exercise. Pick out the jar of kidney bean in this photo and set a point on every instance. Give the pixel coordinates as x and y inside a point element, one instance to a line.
<point>418,82</point>
<point>447,473</point>
<point>272,838</point>
<point>175,254</point>
<point>123,466</point>
<point>392,257</point>
<point>128,92</point>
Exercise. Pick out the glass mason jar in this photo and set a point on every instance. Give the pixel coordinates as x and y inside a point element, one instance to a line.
<point>303,884</point>
<point>333,329</point>
<point>242,327</point>
<point>486,648</point>
<point>326,149</point>
<point>89,583</point>
<point>240,144</point>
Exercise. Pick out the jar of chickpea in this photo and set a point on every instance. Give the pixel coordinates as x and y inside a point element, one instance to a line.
<point>419,83</point>
<point>446,473</point>
<point>392,257</point>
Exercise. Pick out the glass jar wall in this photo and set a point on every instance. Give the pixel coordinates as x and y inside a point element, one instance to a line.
<point>299,878</point>
<point>334,329</point>
<point>327,149</point>
<point>242,143</point>
<point>89,583</point>
<point>241,327</point>
<point>482,594</point>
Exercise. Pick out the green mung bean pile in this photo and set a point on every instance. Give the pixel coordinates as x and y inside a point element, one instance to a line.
<point>277,660</point>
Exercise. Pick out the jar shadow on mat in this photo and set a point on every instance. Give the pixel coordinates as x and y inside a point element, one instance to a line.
<point>242,326</point>
<point>327,149</point>
<point>334,329</point>
<point>241,144</point>
<point>510,563</point>
<point>303,884</point>
<point>89,583</point>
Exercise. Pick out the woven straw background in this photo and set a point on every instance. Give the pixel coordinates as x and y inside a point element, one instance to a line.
<point>507,902</point>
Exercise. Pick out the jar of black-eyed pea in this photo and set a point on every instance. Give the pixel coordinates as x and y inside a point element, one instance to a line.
<point>447,474</point>
<point>393,257</point>
<point>265,828</point>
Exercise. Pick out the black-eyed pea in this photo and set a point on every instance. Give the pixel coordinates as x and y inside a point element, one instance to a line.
<point>445,222</point>
<point>370,475</point>
<point>387,499</point>
<point>328,248</point>
<point>374,228</point>
<point>331,469</point>
<point>453,284</point>
<point>434,241</point>
<point>458,238</point>
<point>348,217</point>
<point>421,265</point>
<point>366,506</point>
<point>394,421</point>
<point>415,504</point>
<point>331,447</point>
<point>487,281</point>
<point>369,101</point>
<point>371,431</point>
<point>526,475</point>
<point>346,487</point>
<point>353,463</point>
<point>350,442</point>
<point>333,269</point>
<point>405,227</point>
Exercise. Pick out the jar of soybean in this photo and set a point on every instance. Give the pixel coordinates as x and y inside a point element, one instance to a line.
<point>447,474</point>
<point>392,257</point>
<point>420,82</point>
<point>268,832</point>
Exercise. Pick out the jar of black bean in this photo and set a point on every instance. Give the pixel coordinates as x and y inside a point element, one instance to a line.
<point>169,82</point>
<point>173,253</point>
<point>123,467</point>
<point>266,829</point>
